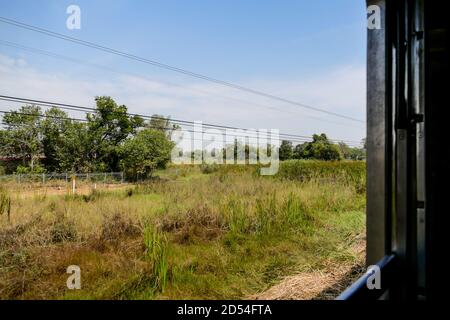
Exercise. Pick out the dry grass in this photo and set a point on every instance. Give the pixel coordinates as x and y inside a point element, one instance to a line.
<point>228,234</point>
<point>324,284</point>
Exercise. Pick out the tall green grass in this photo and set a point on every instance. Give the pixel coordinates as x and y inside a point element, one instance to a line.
<point>5,203</point>
<point>227,235</point>
<point>156,252</point>
<point>312,169</point>
<point>340,172</point>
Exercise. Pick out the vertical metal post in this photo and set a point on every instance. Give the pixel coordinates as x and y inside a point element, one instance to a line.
<point>408,170</point>
<point>378,141</point>
<point>402,143</point>
<point>418,105</point>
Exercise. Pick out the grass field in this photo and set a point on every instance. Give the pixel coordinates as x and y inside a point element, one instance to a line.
<point>195,233</point>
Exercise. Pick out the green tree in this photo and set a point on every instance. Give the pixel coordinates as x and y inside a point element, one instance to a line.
<point>345,150</point>
<point>142,154</point>
<point>350,153</point>
<point>163,124</point>
<point>321,149</point>
<point>286,151</point>
<point>22,137</point>
<point>299,150</point>
<point>3,140</point>
<point>74,153</point>
<point>108,127</point>
<point>53,129</point>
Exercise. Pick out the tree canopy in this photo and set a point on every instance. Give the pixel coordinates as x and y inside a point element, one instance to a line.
<point>110,139</point>
<point>21,139</point>
<point>143,153</point>
<point>321,148</point>
<point>54,142</point>
<point>286,150</point>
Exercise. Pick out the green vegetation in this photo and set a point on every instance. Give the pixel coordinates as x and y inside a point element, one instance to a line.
<point>148,150</point>
<point>226,233</point>
<point>185,232</point>
<point>156,251</point>
<point>111,140</point>
<point>51,141</point>
<point>321,148</point>
<point>345,171</point>
<point>5,203</point>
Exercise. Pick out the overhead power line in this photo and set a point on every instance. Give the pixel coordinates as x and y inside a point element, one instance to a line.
<point>174,121</point>
<point>272,138</point>
<point>102,67</point>
<point>171,68</point>
<point>41,116</point>
<point>45,116</point>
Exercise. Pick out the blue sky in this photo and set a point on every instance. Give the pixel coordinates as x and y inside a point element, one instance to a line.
<point>309,51</point>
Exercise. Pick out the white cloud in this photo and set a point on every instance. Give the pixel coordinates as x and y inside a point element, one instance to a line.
<point>341,91</point>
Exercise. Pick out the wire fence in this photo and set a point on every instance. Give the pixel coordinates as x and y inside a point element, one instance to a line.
<point>64,178</point>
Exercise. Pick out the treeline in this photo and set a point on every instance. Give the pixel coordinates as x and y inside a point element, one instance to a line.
<point>106,140</point>
<point>109,139</point>
<point>321,148</point>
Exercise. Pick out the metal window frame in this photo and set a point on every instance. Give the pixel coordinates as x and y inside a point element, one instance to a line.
<point>396,152</point>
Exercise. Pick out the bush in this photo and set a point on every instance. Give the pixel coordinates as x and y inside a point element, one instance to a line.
<point>37,169</point>
<point>116,227</point>
<point>209,168</point>
<point>145,152</point>
<point>63,230</point>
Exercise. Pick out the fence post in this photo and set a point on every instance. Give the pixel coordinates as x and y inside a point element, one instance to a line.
<point>74,186</point>
<point>43,178</point>
<point>121,178</point>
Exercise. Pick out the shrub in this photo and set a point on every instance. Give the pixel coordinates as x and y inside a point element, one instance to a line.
<point>63,230</point>
<point>148,150</point>
<point>117,226</point>
<point>37,169</point>
<point>209,168</point>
